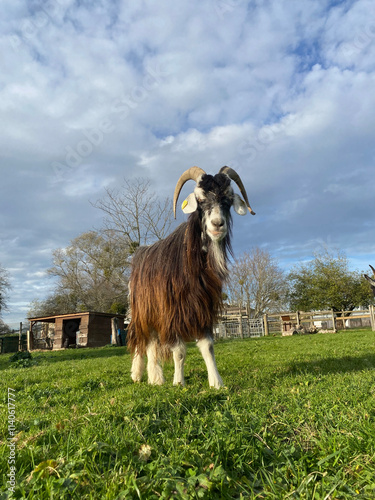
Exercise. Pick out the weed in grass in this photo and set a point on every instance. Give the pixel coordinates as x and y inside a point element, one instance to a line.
<point>22,359</point>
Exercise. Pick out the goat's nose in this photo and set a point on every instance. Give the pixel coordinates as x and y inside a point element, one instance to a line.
<point>219,223</point>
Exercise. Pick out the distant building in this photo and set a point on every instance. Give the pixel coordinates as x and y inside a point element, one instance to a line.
<point>85,329</point>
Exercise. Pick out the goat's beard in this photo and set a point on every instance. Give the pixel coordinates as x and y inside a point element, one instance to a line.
<point>216,253</point>
<point>217,250</point>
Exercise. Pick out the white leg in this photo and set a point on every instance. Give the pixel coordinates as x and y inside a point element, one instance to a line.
<point>155,371</point>
<point>206,346</point>
<point>179,355</point>
<point>138,367</point>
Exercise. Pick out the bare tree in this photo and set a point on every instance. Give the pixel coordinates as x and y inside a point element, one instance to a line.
<point>4,288</point>
<point>60,302</point>
<point>257,282</point>
<point>4,328</point>
<point>135,214</point>
<point>92,272</point>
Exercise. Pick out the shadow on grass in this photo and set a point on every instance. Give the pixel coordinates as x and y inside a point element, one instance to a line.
<point>326,366</point>
<point>50,357</point>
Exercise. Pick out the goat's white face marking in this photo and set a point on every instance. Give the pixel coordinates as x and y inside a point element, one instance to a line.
<point>215,217</point>
<point>216,224</point>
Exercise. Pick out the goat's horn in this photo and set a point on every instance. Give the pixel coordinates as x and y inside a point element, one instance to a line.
<point>192,173</point>
<point>372,269</point>
<point>371,281</point>
<point>232,174</point>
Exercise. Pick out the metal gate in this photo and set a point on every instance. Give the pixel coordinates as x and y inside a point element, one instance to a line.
<point>233,328</point>
<point>256,328</point>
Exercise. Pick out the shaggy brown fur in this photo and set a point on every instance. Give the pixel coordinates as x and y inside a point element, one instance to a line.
<point>176,287</point>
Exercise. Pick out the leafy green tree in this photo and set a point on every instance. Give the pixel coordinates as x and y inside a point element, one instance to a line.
<point>326,282</point>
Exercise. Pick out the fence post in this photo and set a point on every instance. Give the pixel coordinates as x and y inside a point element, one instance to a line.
<point>20,338</point>
<point>343,321</point>
<point>297,318</point>
<point>30,340</point>
<point>333,320</point>
<point>114,327</point>
<point>265,324</point>
<point>372,317</point>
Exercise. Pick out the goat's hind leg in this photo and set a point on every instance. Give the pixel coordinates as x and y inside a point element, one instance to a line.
<point>138,367</point>
<point>179,355</point>
<point>154,369</point>
<point>206,346</point>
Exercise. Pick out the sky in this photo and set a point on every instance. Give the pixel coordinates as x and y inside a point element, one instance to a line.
<point>95,92</point>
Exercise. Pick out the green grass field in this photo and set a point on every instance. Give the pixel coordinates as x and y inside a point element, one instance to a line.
<point>296,420</point>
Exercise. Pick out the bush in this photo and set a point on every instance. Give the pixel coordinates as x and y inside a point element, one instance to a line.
<point>22,359</point>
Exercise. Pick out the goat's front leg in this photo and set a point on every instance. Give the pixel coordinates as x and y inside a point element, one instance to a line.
<point>154,369</point>
<point>179,355</point>
<point>206,346</point>
<point>138,367</point>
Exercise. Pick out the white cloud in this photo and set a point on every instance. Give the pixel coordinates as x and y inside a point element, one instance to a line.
<point>81,182</point>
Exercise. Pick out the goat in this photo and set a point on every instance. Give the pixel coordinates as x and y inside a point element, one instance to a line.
<point>175,289</point>
<point>371,280</point>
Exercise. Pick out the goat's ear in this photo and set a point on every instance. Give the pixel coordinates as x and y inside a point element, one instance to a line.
<point>239,205</point>
<point>190,204</point>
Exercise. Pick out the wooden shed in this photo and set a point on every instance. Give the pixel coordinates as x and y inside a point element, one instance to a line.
<point>85,329</point>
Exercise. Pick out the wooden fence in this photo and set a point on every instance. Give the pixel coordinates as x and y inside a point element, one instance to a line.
<point>12,343</point>
<point>322,320</point>
<point>238,323</point>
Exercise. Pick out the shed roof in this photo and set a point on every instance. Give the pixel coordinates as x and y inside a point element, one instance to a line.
<point>51,319</point>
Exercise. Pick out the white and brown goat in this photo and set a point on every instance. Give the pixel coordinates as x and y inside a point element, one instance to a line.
<point>176,283</point>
